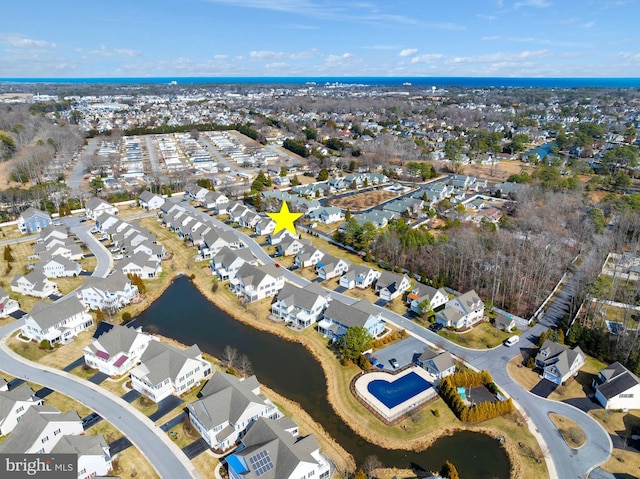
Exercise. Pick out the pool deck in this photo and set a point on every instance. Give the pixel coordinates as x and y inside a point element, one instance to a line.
<point>392,414</point>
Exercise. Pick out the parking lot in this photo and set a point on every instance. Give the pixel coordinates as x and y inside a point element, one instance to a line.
<point>405,352</point>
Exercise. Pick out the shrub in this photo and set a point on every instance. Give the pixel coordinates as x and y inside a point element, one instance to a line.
<point>435,412</point>
<point>531,363</point>
<point>46,345</point>
<point>126,317</point>
<point>363,362</point>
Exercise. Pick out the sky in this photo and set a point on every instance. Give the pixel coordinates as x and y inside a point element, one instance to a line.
<point>315,38</point>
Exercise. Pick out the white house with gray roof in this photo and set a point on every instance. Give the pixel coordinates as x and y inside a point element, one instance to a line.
<point>272,449</point>
<point>277,237</point>
<point>227,408</point>
<point>327,215</point>
<point>437,364</point>
<point>359,276</point>
<point>95,206</point>
<point>617,388</point>
<point>301,307</point>
<point>117,350</point>
<point>141,264</point>
<point>425,294</point>
<point>228,261</point>
<point>57,322</point>
<point>7,305</point>
<point>391,285</point>
<point>40,429</point>
<point>112,292</point>
<point>461,312</point>
<point>559,362</point>
<point>14,404</point>
<point>59,267</point>
<point>165,370</point>
<point>150,201</point>
<point>34,284</point>
<point>254,283</point>
<point>331,267</point>
<point>94,457</point>
<point>309,255</point>
<point>339,317</point>
<point>289,246</point>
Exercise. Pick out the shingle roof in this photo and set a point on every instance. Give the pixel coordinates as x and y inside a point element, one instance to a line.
<point>350,315</point>
<point>47,315</point>
<point>618,379</point>
<point>161,361</point>
<point>292,295</point>
<point>80,445</point>
<point>117,340</point>
<point>9,398</point>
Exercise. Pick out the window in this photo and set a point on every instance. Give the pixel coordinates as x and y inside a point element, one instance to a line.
<point>56,432</point>
<point>20,409</point>
<point>45,439</point>
<point>626,396</point>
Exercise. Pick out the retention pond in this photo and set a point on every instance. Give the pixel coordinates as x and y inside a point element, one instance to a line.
<point>184,314</point>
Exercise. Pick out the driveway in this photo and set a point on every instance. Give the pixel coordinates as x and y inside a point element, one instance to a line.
<point>165,406</point>
<point>544,388</point>
<point>405,352</point>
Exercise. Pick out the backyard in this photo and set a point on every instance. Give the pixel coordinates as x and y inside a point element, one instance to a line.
<point>481,336</point>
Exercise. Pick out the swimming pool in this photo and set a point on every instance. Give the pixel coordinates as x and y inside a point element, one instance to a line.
<point>392,393</point>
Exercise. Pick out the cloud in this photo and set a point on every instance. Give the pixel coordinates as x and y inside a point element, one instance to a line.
<point>220,56</point>
<point>407,52</point>
<point>491,38</point>
<point>104,51</point>
<point>486,17</point>
<point>589,24</point>
<point>532,3</point>
<point>21,41</point>
<point>427,58</point>
<point>502,57</point>
<point>271,55</point>
<point>334,59</point>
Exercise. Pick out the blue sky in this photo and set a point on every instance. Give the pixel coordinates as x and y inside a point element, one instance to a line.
<point>511,38</point>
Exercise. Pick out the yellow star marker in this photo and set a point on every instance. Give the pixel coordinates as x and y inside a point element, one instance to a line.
<point>284,219</point>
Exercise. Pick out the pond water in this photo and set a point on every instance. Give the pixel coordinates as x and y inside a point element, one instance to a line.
<point>184,314</point>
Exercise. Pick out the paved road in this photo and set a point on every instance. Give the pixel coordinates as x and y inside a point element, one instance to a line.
<point>161,452</point>
<point>566,463</point>
<point>76,176</point>
<point>153,159</point>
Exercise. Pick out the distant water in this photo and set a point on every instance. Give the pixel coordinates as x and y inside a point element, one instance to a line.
<point>480,82</point>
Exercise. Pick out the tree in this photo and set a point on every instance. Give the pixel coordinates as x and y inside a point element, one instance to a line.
<point>283,171</point>
<point>370,464</point>
<point>355,342</point>
<point>205,183</point>
<point>518,142</point>
<point>323,175</point>
<point>360,474</point>
<point>244,366</point>
<point>630,134</point>
<point>7,145</point>
<point>621,157</point>
<point>97,184</point>
<point>229,356</point>
<point>449,471</point>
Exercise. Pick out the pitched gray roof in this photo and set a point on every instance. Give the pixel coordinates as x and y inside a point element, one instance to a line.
<point>164,361</point>
<point>441,361</point>
<point>47,315</point>
<point>9,398</point>
<point>284,450</point>
<point>618,379</point>
<point>387,278</point>
<point>117,340</point>
<point>295,296</point>
<point>559,356</point>
<point>350,315</point>
<point>225,398</point>
<point>116,281</point>
<point>31,424</point>
<point>30,212</point>
<point>80,445</point>
<point>226,255</point>
<point>253,275</point>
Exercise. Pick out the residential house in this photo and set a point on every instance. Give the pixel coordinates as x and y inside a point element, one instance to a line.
<point>153,250</point>
<point>339,317</point>
<point>14,404</point>
<point>359,276</point>
<point>300,307</point>
<point>215,201</point>
<point>59,267</point>
<point>272,449</point>
<point>331,267</point>
<point>150,201</point>
<point>94,457</point>
<point>437,364</point>
<point>39,430</point>
<point>56,322</point>
<point>504,322</point>
<point>434,297</point>
<point>254,283</point>
<point>110,293</point>
<point>391,285</point>
<point>109,225</point>
<point>406,206</point>
<point>250,219</point>
<point>327,215</point>
<point>117,350</point>
<point>34,284</point>
<point>289,246</point>
<point>308,256</point>
<point>216,239</point>
<point>265,226</point>
<point>559,362</point>
<point>237,211</point>
<point>164,370</point>
<point>276,238</point>
<point>49,232</point>
<point>7,305</point>
<point>68,249</point>
<point>228,261</point>
<point>227,408</point>
<point>95,206</point>
<point>461,312</point>
<point>617,388</point>
<point>195,192</point>
<point>141,264</point>
<point>33,220</point>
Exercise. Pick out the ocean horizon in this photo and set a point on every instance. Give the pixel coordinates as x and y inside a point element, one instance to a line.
<point>440,82</point>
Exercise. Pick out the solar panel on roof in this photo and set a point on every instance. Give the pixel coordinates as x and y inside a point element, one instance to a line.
<point>261,462</point>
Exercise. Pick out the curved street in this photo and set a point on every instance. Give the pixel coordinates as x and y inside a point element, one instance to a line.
<point>168,460</point>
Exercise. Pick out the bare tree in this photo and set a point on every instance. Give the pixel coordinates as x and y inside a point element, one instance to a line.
<point>244,366</point>
<point>230,356</point>
<point>370,464</point>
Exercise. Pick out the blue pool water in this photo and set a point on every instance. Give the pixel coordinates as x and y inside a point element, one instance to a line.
<point>396,392</point>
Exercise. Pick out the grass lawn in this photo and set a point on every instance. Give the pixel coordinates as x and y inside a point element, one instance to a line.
<point>83,371</point>
<point>64,403</point>
<point>59,358</point>
<point>132,463</point>
<point>572,434</point>
<point>482,336</point>
<point>11,232</point>
<point>523,375</point>
<point>115,385</point>
<point>580,386</point>
<point>145,406</point>
<point>622,461</point>
<point>205,464</point>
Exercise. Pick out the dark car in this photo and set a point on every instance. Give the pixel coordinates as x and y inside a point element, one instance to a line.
<point>394,363</point>
<point>435,327</point>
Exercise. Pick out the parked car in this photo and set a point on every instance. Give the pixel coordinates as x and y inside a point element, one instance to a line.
<point>435,327</point>
<point>511,341</point>
<point>394,363</point>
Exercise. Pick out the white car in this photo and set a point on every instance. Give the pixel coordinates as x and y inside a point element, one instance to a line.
<point>512,340</point>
